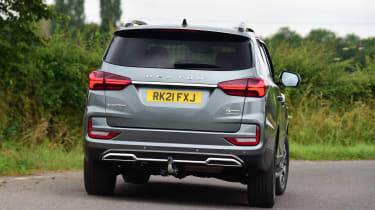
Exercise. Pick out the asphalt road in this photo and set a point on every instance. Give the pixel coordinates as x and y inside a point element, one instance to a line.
<point>312,185</point>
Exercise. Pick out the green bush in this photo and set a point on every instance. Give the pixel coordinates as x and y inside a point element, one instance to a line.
<point>332,106</point>
<point>322,75</point>
<point>48,87</point>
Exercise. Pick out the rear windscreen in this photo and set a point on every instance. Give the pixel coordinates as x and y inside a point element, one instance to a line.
<point>179,49</point>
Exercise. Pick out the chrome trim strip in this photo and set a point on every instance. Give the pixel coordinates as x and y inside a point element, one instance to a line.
<point>235,163</point>
<point>174,84</point>
<point>190,161</point>
<point>152,159</point>
<point>121,151</point>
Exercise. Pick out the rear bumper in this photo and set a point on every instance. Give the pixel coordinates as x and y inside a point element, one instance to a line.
<point>186,147</point>
<point>246,158</point>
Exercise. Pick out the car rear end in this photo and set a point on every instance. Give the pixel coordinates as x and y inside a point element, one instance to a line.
<point>177,101</point>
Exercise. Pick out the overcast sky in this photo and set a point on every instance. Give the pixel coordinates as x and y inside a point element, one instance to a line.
<point>264,16</point>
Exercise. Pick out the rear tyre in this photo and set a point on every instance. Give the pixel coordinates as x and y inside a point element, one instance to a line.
<point>99,180</point>
<point>136,178</point>
<point>261,188</point>
<point>283,170</point>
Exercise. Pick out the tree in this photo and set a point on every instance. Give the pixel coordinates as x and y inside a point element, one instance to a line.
<point>321,36</point>
<point>367,48</point>
<point>18,32</point>
<point>285,35</point>
<point>75,11</point>
<point>110,13</point>
<point>348,47</point>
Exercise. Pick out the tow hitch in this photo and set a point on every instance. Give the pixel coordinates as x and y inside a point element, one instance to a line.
<point>171,169</point>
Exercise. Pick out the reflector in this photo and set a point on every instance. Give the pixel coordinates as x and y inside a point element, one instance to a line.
<point>245,141</point>
<point>100,134</point>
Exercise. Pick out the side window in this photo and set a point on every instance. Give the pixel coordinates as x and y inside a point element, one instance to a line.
<point>268,59</point>
<point>265,59</point>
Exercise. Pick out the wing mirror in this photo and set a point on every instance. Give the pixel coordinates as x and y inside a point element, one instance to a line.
<point>289,79</point>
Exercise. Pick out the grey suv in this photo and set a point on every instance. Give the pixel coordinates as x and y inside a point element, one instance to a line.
<point>184,100</point>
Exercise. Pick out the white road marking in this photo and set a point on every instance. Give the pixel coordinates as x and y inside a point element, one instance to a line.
<point>38,177</point>
<point>21,178</point>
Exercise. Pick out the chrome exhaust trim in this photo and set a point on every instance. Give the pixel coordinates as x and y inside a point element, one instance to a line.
<point>120,157</point>
<point>127,157</point>
<point>223,162</point>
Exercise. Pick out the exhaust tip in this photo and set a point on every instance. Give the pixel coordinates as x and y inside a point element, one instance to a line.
<point>223,162</point>
<point>119,157</point>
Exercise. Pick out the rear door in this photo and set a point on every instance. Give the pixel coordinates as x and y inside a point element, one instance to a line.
<point>174,76</point>
<point>277,109</point>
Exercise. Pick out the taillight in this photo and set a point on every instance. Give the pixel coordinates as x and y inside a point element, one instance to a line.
<point>245,141</point>
<point>100,80</point>
<point>100,134</point>
<point>251,87</point>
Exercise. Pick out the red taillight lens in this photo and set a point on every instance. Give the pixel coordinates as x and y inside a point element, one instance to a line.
<point>100,134</point>
<point>251,87</point>
<point>96,80</point>
<point>99,80</point>
<point>245,141</point>
<point>234,87</point>
<point>255,88</point>
<point>115,82</point>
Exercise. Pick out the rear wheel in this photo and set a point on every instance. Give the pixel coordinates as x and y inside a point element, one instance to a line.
<point>99,180</point>
<point>283,170</point>
<point>261,188</point>
<point>136,177</point>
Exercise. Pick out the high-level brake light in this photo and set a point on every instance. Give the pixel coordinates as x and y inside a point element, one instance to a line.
<point>179,30</point>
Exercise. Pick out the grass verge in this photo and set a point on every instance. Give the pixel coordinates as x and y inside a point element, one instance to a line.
<point>332,152</point>
<point>25,161</point>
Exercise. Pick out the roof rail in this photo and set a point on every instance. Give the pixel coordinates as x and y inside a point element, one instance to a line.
<point>242,28</point>
<point>135,22</point>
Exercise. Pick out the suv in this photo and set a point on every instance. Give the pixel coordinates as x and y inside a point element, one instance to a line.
<point>184,100</point>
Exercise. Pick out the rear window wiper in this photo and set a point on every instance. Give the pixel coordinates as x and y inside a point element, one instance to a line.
<point>194,65</point>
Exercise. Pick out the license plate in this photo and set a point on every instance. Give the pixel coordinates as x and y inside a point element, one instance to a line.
<point>174,96</point>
